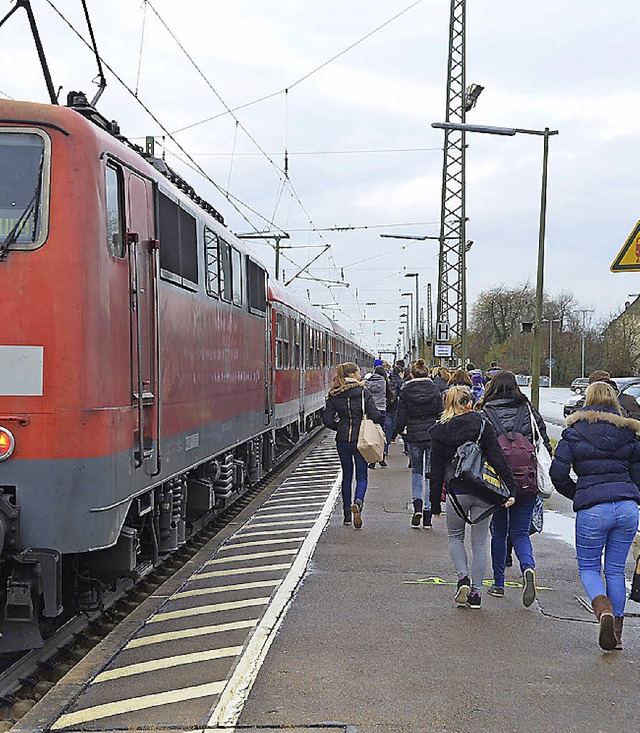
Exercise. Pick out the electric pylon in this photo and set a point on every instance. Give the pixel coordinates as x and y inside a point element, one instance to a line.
<point>452,305</point>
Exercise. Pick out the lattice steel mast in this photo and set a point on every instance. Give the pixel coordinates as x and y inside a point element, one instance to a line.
<point>452,297</point>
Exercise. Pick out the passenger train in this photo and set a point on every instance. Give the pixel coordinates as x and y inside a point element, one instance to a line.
<point>150,370</point>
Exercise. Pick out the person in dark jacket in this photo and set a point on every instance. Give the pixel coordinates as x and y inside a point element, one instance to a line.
<point>505,405</point>
<point>343,413</point>
<point>604,450</point>
<point>458,425</point>
<point>384,396</point>
<point>419,408</point>
<point>440,377</point>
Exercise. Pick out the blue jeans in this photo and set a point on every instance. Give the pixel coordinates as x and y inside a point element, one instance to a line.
<point>420,454</point>
<point>513,522</point>
<point>349,454</point>
<point>389,423</point>
<point>610,527</point>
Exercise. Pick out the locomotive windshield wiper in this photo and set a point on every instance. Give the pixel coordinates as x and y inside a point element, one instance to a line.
<point>29,209</point>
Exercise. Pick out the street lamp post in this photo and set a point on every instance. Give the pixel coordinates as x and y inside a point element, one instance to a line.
<point>416,311</point>
<point>410,321</point>
<point>510,132</point>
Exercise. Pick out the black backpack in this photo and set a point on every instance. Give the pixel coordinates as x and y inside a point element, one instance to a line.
<point>518,450</point>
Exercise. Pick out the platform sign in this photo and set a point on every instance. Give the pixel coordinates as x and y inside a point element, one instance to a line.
<point>628,259</point>
<point>442,351</point>
<point>442,331</point>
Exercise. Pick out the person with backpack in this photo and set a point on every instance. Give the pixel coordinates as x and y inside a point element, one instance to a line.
<point>420,405</point>
<point>511,414</point>
<point>603,449</point>
<point>384,396</point>
<point>343,413</point>
<point>458,425</point>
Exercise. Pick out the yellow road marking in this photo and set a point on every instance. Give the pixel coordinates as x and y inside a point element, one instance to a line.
<point>241,571</point>
<point>248,533</point>
<point>190,633</point>
<point>251,556</point>
<point>201,610</point>
<point>137,703</point>
<point>224,588</point>
<point>440,581</point>
<point>253,523</point>
<point>167,662</point>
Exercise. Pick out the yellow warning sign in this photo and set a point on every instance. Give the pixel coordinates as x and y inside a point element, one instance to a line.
<point>628,259</point>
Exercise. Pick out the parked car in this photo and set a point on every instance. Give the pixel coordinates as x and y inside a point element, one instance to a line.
<point>628,394</point>
<point>523,380</point>
<point>579,385</point>
<point>544,380</point>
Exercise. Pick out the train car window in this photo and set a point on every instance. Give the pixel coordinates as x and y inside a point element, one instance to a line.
<point>279,346</point>
<point>25,157</point>
<point>188,247</point>
<point>296,354</point>
<point>286,335</point>
<point>236,273</point>
<point>178,242</point>
<point>256,287</point>
<point>115,211</point>
<point>211,265</point>
<point>224,271</point>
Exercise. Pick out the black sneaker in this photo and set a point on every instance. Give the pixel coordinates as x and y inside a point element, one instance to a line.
<point>529,587</point>
<point>371,465</point>
<point>416,519</point>
<point>464,588</point>
<point>474,600</point>
<point>426,519</point>
<point>347,521</point>
<point>497,591</point>
<point>383,463</point>
<point>356,510</point>
<point>509,561</point>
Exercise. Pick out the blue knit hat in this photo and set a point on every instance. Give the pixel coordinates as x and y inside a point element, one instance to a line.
<point>377,363</point>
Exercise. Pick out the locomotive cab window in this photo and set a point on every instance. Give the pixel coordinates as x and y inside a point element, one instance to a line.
<point>115,211</point>
<point>256,288</point>
<point>178,243</point>
<point>237,274</point>
<point>224,270</point>
<point>25,156</point>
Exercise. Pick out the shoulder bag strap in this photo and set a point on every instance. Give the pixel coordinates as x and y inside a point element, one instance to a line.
<point>364,413</point>
<point>519,420</point>
<point>494,420</point>
<point>535,430</point>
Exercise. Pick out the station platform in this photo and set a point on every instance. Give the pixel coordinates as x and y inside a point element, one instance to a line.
<point>357,633</point>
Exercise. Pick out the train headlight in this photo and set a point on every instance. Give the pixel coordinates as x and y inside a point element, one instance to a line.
<point>7,444</point>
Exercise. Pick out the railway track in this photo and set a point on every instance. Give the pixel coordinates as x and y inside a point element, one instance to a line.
<point>26,678</point>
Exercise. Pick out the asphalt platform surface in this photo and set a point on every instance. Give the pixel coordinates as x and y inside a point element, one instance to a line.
<point>374,640</point>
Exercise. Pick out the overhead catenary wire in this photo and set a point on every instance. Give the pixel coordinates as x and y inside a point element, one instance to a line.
<point>144,23</point>
<point>308,74</point>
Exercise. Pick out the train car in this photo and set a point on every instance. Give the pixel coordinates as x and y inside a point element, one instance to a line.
<point>138,393</point>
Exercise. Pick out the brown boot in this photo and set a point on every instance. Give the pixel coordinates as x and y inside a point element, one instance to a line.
<point>618,622</point>
<point>604,613</point>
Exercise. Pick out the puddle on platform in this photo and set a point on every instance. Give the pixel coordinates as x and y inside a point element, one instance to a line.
<point>560,526</point>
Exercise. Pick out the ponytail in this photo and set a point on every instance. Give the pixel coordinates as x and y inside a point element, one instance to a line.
<point>455,402</point>
<point>343,372</point>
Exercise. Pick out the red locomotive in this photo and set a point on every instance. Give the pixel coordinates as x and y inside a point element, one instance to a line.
<point>149,372</point>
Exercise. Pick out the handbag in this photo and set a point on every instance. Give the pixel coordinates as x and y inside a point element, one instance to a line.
<point>543,461</point>
<point>470,471</point>
<point>371,438</point>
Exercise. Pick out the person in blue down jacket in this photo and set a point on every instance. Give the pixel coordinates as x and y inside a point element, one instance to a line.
<point>419,408</point>
<point>604,450</point>
<point>343,413</point>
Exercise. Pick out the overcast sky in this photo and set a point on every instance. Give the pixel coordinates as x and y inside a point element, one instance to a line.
<point>361,148</point>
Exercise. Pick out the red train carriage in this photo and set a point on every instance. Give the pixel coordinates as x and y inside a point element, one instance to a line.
<point>136,385</point>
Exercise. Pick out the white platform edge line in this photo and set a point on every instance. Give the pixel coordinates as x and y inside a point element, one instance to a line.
<point>236,691</point>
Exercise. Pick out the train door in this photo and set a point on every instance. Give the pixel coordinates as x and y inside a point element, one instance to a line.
<point>145,352</point>
<point>269,387</point>
<point>303,366</point>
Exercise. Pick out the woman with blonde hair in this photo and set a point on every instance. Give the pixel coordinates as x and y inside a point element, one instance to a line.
<point>460,424</point>
<point>603,448</point>
<point>343,413</point>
